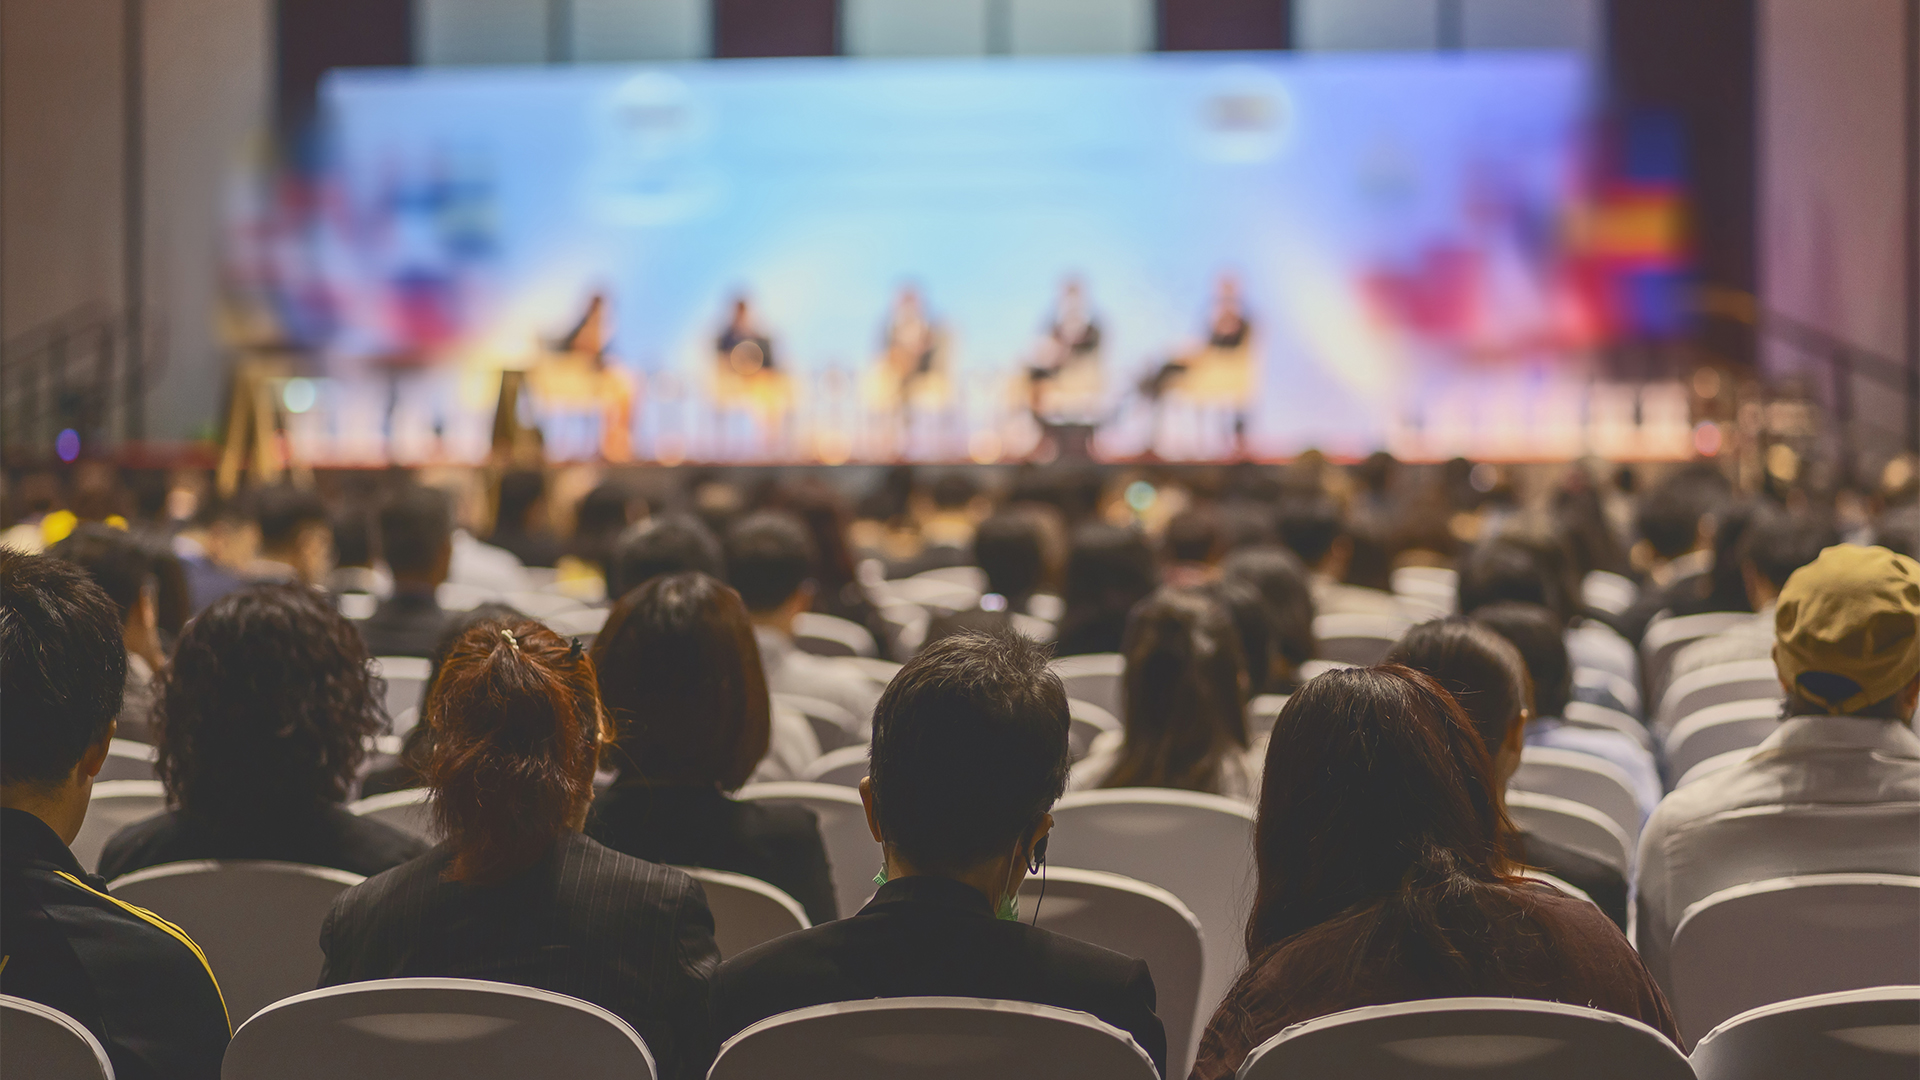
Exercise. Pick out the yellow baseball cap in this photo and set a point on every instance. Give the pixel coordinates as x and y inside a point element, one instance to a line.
<point>1847,633</point>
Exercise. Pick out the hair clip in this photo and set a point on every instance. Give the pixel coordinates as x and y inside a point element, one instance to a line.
<point>508,634</point>
<point>574,652</point>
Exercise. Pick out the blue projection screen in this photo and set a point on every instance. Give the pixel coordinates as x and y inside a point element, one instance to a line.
<point>1390,224</point>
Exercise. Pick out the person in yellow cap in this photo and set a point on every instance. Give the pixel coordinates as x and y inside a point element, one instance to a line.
<point>1836,787</point>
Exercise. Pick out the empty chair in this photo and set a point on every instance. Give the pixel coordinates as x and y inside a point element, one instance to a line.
<point>406,678</point>
<point>410,811</point>
<point>1094,677</point>
<point>846,767</point>
<point>115,805</point>
<point>257,922</point>
<point>852,852</point>
<point>1469,1039</point>
<point>1869,1034</point>
<point>435,1029</point>
<point>580,622</point>
<point>1717,729</point>
<point>1262,711</point>
<point>1138,920</point>
<point>1612,684</point>
<point>1582,777</point>
<point>1087,722</point>
<point>831,635</point>
<point>46,1044</point>
<point>1609,592</point>
<point>1741,680</point>
<point>746,911</point>
<point>1574,824</point>
<point>1771,941</point>
<point>1599,646</point>
<point>932,1038</point>
<point>1355,638</point>
<point>1587,714</point>
<point>1666,636</point>
<point>833,725</point>
<point>1197,847</point>
<point>129,760</point>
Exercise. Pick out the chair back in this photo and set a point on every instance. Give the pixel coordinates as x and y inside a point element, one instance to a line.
<point>746,911</point>
<point>1612,684</point>
<point>971,577</point>
<point>1094,678</point>
<point>1469,1038</point>
<point>1588,715</point>
<point>852,853</point>
<point>1717,729</point>
<point>115,804</point>
<point>258,922</point>
<point>1197,847</point>
<point>1356,638</point>
<point>1669,634</point>
<point>1574,824</point>
<point>435,1029</point>
<point>845,767</point>
<point>1139,920</point>
<point>584,622</point>
<point>542,605</point>
<point>1262,711</point>
<point>1784,938</point>
<point>831,635</point>
<point>406,678</point>
<point>129,760</point>
<point>44,1043</point>
<point>1087,722</point>
<point>1582,777</point>
<point>932,1038</point>
<point>833,725</point>
<point>1871,1034</point>
<point>881,672</point>
<point>410,811</point>
<point>1607,591</point>
<point>1738,680</point>
<point>936,596</point>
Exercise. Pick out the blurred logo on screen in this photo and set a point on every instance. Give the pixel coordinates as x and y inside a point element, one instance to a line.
<point>649,169</point>
<point>1245,116</point>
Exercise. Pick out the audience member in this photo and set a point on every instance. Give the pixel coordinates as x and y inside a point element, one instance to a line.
<point>603,514</point>
<point>969,753</point>
<point>219,539</point>
<point>1490,678</point>
<point>1836,789</point>
<point>680,675</point>
<point>1514,568</point>
<point>1193,545</point>
<point>356,553</point>
<point>138,983</point>
<point>516,893</point>
<point>520,519</point>
<point>838,590</point>
<point>669,543</point>
<point>1183,703</point>
<point>1010,548</point>
<point>770,562</point>
<point>946,525</point>
<point>296,537</point>
<point>1674,552</point>
<point>123,568</point>
<point>1109,569</point>
<point>263,720</point>
<point>416,535</point>
<point>406,770</point>
<point>1313,528</point>
<point>1775,545</point>
<point>1281,581</point>
<point>1383,876</point>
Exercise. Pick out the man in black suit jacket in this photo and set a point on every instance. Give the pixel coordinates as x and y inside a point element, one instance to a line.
<point>969,753</point>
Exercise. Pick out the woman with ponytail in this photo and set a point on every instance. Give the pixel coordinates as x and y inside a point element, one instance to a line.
<point>515,892</point>
<point>1183,703</point>
<point>1383,876</point>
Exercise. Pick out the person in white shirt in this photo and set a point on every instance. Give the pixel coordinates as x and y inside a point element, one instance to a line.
<point>1837,788</point>
<point>770,561</point>
<point>1775,545</point>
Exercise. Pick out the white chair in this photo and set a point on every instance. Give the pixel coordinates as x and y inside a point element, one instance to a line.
<point>833,725</point>
<point>1784,938</point>
<point>435,1029</point>
<point>581,622</point>
<point>831,635</point>
<point>129,760</point>
<point>1668,634</point>
<point>257,922</point>
<point>46,1044</point>
<point>1313,669</point>
<point>1615,685</point>
<point>852,853</point>
<point>1717,729</point>
<point>1587,714</point>
<point>1712,765</point>
<point>1606,591</point>
<point>410,811</point>
<point>1574,824</point>
<point>357,605</point>
<point>932,1038</point>
<point>971,577</point>
<point>1094,677</point>
<point>845,767</point>
<point>1197,847</point>
<point>406,678</point>
<point>1139,920</point>
<point>746,911</point>
<point>453,596</point>
<point>1469,1038</point>
<point>1871,1034</point>
<point>874,668</point>
<point>1594,644</point>
<point>541,605</point>
<point>1430,590</point>
<point>115,805</point>
<point>1085,723</point>
<point>907,623</point>
<point>1262,711</point>
<point>933,594</point>
<point>1740,680</point>
<point>1583,778</point>
<point>1357,638</point>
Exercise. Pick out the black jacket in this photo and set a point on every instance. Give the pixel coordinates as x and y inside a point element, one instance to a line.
<point>135,980</point>
<point>634,938</point>
<point>330,836</point>
<point>932,936</point>
<point>405,624</point>
<point>688,826</point>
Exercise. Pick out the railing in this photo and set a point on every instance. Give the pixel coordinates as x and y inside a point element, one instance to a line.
<point>69,373</point>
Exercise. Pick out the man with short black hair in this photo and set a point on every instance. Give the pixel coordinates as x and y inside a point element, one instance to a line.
<point>123,568</point>
<point>138,983</point>
<point>969,754</point>
<point>770,562</point>
<point>296,538</point>
<point>662,544</point>
<point>1775,545</point>
<point>519,521</point>
<point>1316,530</point>
<point>416,537</point>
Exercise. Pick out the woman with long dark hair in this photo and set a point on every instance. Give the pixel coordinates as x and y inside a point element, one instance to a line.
<point>1384,876</point>
<point>516,893</point>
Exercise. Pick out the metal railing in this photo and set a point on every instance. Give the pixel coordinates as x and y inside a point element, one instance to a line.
<point>69,373</point>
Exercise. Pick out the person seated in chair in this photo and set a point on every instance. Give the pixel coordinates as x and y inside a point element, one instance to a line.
<point>416,537</point>
<point>969,753</point>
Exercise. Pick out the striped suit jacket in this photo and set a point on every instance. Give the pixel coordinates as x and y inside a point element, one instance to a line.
<point>630,936</point>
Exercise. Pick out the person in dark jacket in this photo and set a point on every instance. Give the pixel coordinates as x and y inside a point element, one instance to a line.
<point>516,893</point>
<point>134,980</point>
<point>263,721</point>
<point>680,673</point>
<point>969,753</point>
<point>416,538</point>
